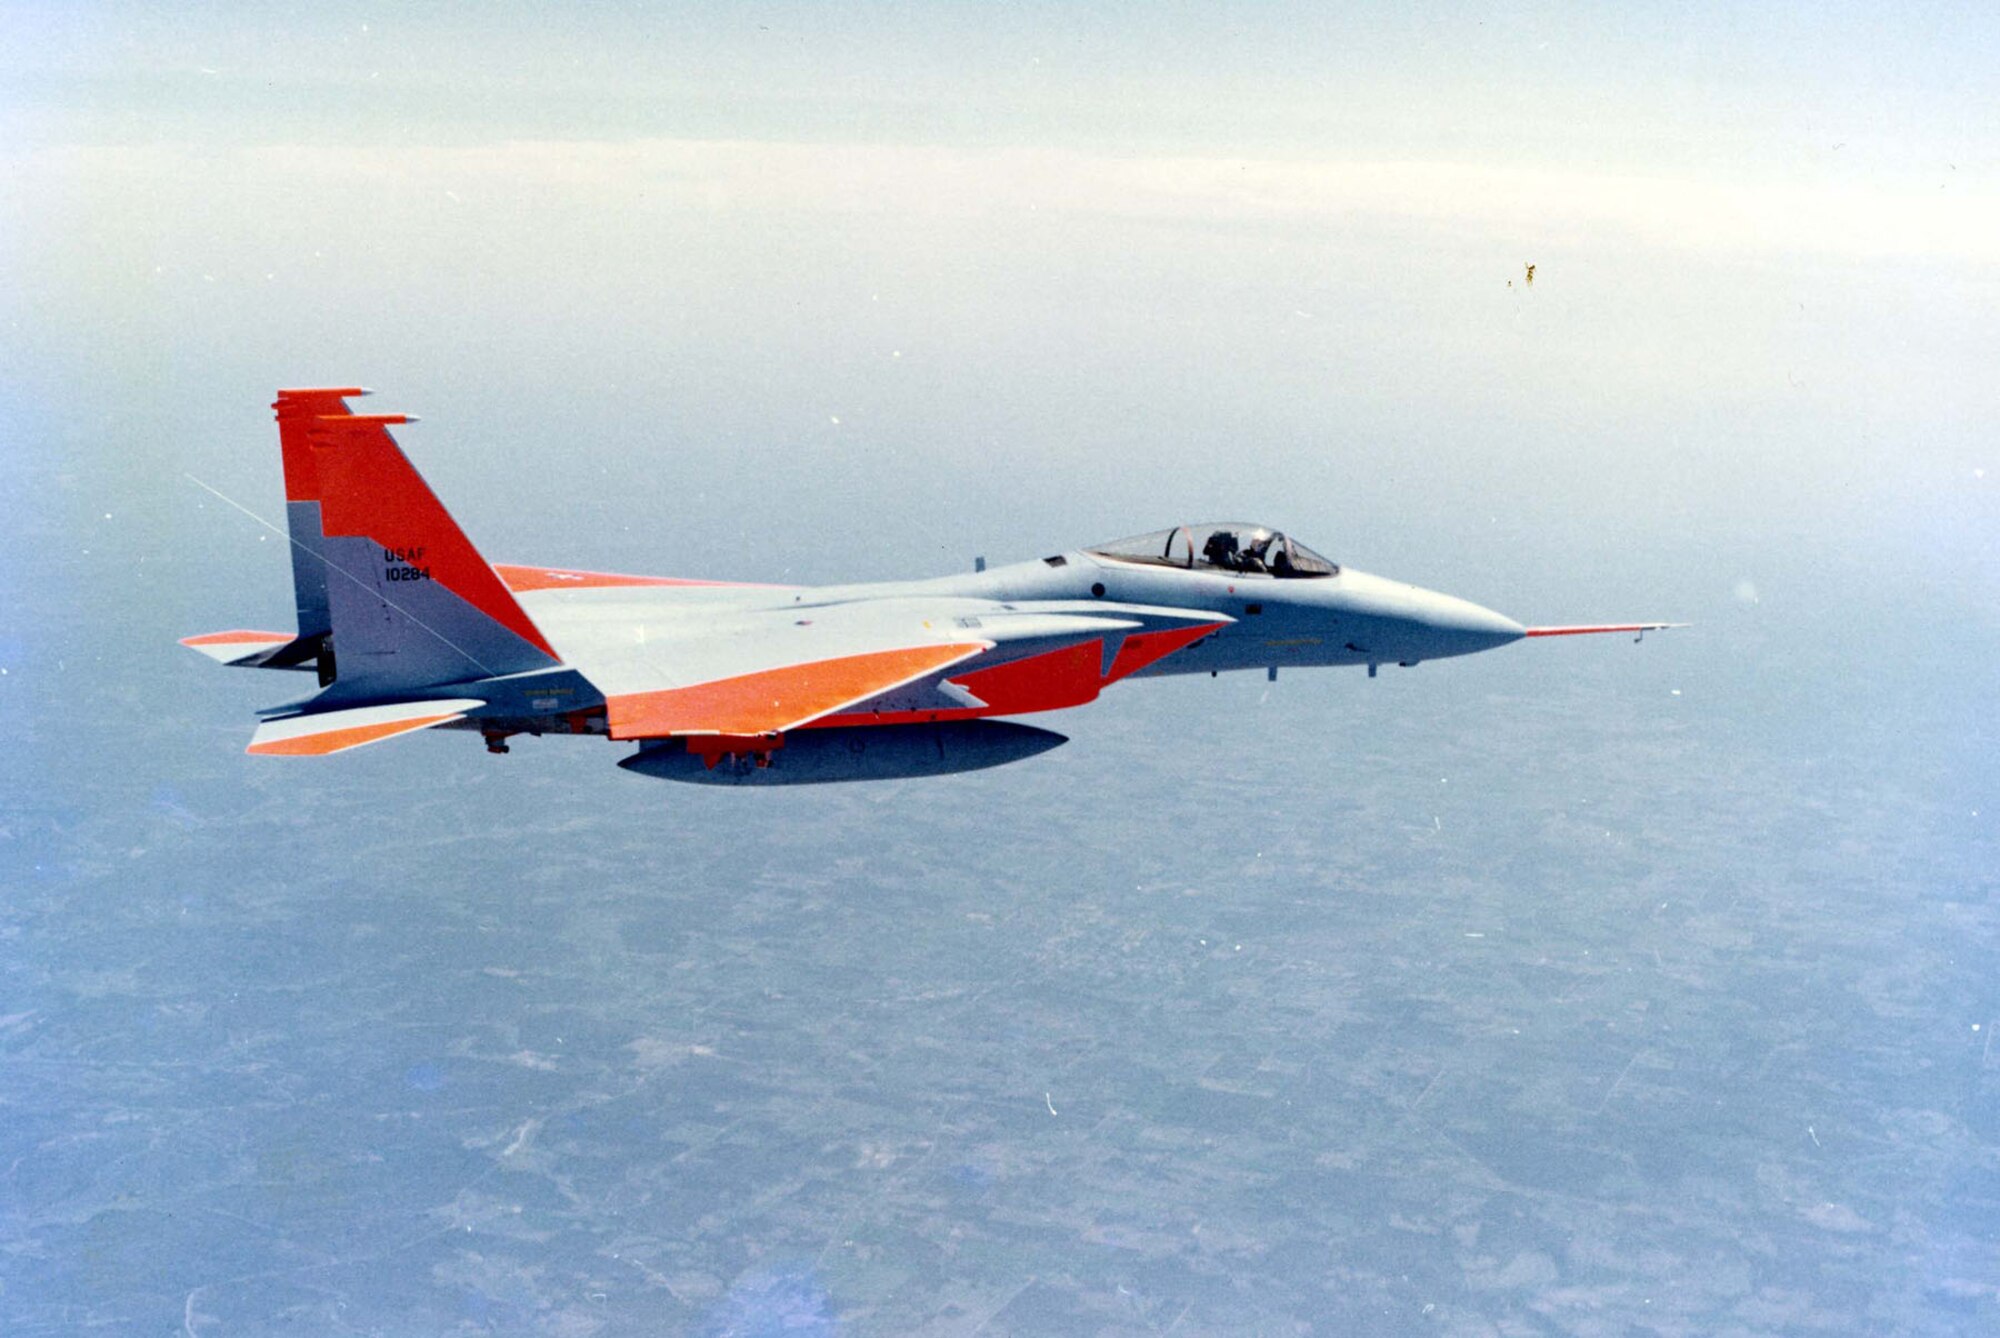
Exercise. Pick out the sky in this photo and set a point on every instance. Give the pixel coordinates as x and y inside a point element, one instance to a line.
<point>847,295</point>
<point>800,293</point>
<point>1763,240</point>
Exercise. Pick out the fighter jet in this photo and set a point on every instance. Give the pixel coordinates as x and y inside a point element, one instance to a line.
<point>408,628</point>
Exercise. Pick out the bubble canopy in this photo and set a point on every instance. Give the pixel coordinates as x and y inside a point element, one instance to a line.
<point>1227,545</point>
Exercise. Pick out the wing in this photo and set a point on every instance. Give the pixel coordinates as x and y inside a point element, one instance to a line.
<point>782,697</point>
<point>761,672</point>
<point>764,671</point>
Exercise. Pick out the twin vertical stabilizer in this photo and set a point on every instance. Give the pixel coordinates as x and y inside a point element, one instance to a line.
<point>410,602</point>
<point>392,598</point>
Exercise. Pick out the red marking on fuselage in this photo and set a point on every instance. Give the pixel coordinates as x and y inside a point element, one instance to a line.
<point>1047,682</point>
<point>712,748</point>
<point>1144,648</point>
<point>1051,681</point>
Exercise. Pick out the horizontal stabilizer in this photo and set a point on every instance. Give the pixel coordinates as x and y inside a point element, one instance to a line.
<point>244,648</point>
<point>260,650</point>
<point>326,732</point>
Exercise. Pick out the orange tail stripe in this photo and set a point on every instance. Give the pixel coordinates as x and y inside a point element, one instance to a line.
<point>298,410</point>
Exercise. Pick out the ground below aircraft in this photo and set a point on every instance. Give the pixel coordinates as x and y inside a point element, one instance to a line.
<point>408,628</point>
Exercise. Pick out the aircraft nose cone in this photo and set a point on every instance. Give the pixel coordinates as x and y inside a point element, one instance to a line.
<point>1469,619</point>
<point>1456,626</point>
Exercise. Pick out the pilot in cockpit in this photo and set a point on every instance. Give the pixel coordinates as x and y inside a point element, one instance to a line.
<point>1278,556</point>
<point>1253,550</point>
<point>1266,551</point>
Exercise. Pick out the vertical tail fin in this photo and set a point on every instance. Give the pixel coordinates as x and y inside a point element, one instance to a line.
<point>409,602</point>
<point>297,411</point>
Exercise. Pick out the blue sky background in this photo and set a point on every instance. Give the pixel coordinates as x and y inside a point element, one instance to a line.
<point>1763,239</point>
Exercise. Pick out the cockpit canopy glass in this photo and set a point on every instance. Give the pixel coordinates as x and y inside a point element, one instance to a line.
<point>1250,550</point>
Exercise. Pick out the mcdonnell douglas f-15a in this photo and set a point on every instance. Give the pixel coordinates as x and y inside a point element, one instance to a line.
<point>408,628</point>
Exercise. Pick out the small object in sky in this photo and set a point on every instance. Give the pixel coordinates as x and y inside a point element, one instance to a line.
<point>406,627</point>
<point>1048,1099</point>
<point>1531,276</point>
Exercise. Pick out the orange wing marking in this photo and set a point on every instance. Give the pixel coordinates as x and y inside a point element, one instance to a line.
<point>771,701</point>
